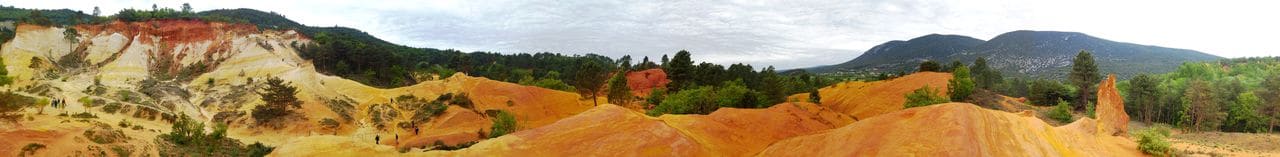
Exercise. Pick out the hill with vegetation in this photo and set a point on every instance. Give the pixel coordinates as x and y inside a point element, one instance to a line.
<point>1023,53</point>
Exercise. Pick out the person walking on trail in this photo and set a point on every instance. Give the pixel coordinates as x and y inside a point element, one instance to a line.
<point>376,139</point>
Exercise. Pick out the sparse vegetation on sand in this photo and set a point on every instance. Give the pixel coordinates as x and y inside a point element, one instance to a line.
<point>188,139</point>
<point>503,123</point>
<point>924,96</point>
<point>1061,112</point>
<point>1155,141</point>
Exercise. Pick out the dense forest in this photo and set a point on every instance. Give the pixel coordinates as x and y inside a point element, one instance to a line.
<point>1239,95</point>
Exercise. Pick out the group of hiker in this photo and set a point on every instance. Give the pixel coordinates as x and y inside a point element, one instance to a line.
<point>378,138</point>
<point>59,103</point>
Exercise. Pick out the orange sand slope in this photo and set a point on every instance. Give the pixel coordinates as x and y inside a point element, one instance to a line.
<point>610,130</point>
<point>742,132</point>
<point>956,129</point>
<point>867,99</point>
<point>962,129</point>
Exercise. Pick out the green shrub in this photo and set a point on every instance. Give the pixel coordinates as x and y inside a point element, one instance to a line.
<point>961,85</point>
<point>188,139</point>
<point>121,151</point>
<point>86,101</point>
<point>1061,112</point>
<point>330,124</point>
<point>1153,141</point>
<point>257,149</point>
<point>924,96</point>
<point>684,102</point>
<point>462,100</point>
<point>10,102</point>
<point>125,123</point>
<point>706,99</point>
<point>185,131</point>
<point>1089,110</point>
<point>503,123</point>
<point>111,107</point>
<point>31,149</point>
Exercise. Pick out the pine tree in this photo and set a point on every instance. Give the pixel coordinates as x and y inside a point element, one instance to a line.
<point>619,92</point>
<point>985,77</point>
<point>961,84</point>
<point>279,97</point>
<point>1084,75</point>
<point>589,77</point>
<point>624,63</point>
<point>815,97</point>
<point>680,71</point>
<point>186,8</point>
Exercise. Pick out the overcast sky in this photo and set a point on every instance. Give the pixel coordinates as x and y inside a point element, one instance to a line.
<point>786,34</point>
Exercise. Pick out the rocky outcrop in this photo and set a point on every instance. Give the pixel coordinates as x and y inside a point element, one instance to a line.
<point>1110,109</point>
<point>956,129</point>
<point>644,81</point>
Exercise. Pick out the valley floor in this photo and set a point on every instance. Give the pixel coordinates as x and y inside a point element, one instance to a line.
<point>1221,143</point>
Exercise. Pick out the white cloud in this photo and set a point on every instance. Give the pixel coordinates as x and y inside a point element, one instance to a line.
<point>786,34</point>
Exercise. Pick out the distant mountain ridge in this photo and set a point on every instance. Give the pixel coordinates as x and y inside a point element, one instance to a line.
<point>1023,53</point>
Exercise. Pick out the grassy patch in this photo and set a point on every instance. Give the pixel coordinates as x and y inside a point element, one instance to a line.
<point>1155,141</point>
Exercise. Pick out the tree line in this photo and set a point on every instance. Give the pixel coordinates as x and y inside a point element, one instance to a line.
<point>1238,95</point>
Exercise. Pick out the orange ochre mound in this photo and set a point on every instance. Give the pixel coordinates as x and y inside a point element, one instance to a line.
<point>644,81</point>
<point>610,130</point>
<point>867,99</point>
<point>532,107</point>
<point>956,129</point>
<point>743,132</point>
<point>1110,109</point>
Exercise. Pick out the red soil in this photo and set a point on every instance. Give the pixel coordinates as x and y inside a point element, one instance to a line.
<point>644,81</point>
